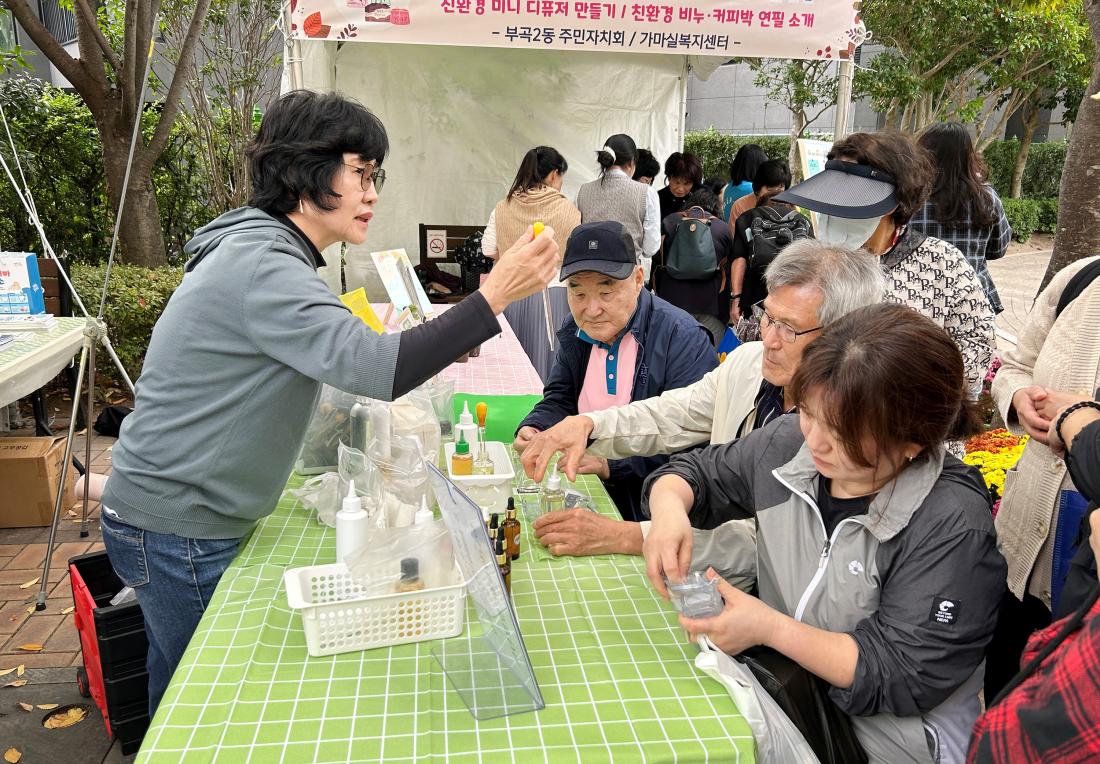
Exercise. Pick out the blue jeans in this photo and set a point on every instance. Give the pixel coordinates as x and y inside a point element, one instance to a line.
<point>174,578</point>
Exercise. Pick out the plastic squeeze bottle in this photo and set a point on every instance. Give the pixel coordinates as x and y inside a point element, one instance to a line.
<point>351,525</point>
<point>433,565</point>
<point>461,461</point>
<point>553,498</point>
<point>466,429</point>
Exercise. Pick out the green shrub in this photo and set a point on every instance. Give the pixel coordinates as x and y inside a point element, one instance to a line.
<point>1042,175</point>
<point>135,299</point>
<point>1023,216</point>
<point>717,149</point>
<point>1048,215</point>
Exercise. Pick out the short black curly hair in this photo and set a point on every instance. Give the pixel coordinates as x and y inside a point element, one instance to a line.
<point>300,147</point>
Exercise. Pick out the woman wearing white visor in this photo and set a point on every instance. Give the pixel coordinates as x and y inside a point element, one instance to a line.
<point>870,188</point>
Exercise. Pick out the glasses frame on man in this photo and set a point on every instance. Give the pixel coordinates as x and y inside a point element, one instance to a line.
<point>366,180</point>
<point>786,332</point>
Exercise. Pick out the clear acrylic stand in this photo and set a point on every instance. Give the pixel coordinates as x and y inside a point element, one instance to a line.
<point>488,666</point>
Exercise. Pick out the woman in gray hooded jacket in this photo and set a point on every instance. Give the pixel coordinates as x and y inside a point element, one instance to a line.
<point>877,562</point>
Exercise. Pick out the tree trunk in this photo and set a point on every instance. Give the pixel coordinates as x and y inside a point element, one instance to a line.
<point>1078,233</point>
<point>1031,124</point>
<point>798,127</point>
<point>140,236</point>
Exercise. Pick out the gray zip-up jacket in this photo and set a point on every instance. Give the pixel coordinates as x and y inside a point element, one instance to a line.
<point>916,581</point>
<point>233,371</point>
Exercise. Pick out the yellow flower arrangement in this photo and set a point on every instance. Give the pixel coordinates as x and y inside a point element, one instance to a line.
<point>994,453</point>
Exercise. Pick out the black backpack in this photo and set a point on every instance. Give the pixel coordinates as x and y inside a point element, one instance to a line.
<point>772,230</point>
<point>692,256</point>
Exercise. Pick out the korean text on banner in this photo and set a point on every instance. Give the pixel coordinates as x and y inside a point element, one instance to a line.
<point>806,29</point>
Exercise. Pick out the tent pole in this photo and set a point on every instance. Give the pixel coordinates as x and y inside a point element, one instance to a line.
<point>844,98</point>
<point>681,123</point>
<point>292,59</point>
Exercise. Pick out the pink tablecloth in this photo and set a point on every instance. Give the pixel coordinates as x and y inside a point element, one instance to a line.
<point>501,369</point>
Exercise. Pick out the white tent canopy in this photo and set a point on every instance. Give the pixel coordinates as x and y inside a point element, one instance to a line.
<point>461,118</point>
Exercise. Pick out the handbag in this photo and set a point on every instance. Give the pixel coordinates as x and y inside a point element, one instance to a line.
<point>804,697</point>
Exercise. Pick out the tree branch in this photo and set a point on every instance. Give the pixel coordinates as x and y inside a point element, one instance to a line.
<point>70,68</point>
<point>93,25</point>
<point>179,77</point>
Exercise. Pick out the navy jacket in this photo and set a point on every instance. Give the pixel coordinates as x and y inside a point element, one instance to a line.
<point>673,351</point>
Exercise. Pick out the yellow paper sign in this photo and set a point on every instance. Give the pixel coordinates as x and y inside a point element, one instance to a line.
<point>359,306</point>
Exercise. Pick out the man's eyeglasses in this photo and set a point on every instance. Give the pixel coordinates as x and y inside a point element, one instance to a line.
<point>377,178</point>
<point>787,332</point>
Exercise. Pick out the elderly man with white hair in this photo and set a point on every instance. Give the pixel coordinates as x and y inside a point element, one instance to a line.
<point>810,284</point>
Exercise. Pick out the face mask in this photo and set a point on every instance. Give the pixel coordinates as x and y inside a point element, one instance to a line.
<point>846,232</point>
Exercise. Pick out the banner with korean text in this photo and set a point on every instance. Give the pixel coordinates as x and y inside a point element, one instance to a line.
<point>814,29</point>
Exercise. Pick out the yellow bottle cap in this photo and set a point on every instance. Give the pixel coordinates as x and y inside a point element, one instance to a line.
<point>482,410</point>
<point>538,228</point>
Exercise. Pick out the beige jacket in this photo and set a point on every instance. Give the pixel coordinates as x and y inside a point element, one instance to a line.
<point>718,408</point>
<point>1062,355</point>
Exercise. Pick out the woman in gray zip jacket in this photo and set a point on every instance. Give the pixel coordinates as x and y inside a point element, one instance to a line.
<point>877,561</point>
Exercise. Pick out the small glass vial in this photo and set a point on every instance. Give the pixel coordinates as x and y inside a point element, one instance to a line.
<point>553,497</point>
<point>461,461</point>
<point>483,464</point>
<point>504,565</point>
<point>511,529</point>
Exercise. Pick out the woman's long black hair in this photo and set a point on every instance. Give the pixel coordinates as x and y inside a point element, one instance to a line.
<point>536,165</point>
<point>958,194</point>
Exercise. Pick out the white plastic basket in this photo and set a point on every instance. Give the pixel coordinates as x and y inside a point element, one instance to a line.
<point>487,491</point>
<point>338,617</point>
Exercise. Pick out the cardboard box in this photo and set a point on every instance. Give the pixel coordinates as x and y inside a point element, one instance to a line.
<point>30,469</point>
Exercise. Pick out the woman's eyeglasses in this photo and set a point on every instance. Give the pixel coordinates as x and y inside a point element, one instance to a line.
<point>376,178</point>
<point>787,332</point>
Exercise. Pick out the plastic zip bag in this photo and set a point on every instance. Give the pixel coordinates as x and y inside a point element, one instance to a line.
<point>329,426</point>
<point>322,495</point>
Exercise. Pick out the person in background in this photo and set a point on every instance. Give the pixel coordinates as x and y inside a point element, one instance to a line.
<point>684,173</point>
<point>715,184</point>
<point>621,344</point>
<point>810,285</point>
<point>742,171</point>
<point>646,167</point>
<point>1058,348</point>
<point>1050,711</point>
<point>236,361</point>
<point>701,298</point>
<point>747,286</point>
<point>876,559</point>
<point>871,186</point>
<point>616,196</point>
<point>535,195</point>
<point>963,209</point>
<point>771,175</point>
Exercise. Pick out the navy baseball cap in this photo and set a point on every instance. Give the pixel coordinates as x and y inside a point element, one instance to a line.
<point>600,247</point>
<point>845,190</point>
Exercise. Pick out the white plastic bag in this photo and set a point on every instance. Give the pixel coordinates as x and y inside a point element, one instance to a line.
<point>778,741</point>
<point>321,493</point>
<point>330,426</point>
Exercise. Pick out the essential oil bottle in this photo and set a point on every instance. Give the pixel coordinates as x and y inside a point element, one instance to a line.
<point>511,529</point>
<point>504,565</point>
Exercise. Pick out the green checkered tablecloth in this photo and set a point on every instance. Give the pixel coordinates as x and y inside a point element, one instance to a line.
<point>37,357</point>
<point>617,676</point>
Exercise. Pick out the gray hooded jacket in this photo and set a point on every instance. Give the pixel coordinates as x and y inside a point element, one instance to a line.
<point>916,581</point>
<point>233,371</point>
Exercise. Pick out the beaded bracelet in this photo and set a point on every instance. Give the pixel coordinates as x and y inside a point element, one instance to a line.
<point>1075,407</point>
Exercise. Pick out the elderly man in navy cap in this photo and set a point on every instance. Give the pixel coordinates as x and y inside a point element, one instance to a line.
<point>621,344</point>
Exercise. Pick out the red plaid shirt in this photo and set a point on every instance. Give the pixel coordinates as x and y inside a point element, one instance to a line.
<point>1055,714</point>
